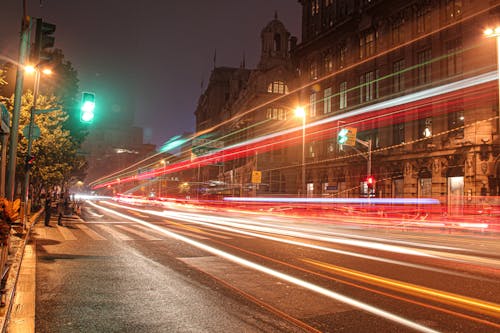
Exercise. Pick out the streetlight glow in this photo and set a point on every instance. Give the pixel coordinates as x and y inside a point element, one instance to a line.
<point>47,71</point>
<point>29,69</point>
<point>300,112</point>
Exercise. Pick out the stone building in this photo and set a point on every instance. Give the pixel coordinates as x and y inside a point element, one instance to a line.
<point>418,78</point>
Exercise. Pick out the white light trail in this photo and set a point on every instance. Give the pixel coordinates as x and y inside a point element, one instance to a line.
<point>285,277</point>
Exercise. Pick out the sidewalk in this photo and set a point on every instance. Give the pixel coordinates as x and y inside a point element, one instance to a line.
<point>17,301</point>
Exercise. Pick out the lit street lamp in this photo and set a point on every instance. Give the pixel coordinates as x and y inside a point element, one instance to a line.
<point>301,113</point>
<point>162,162</point>
<point>496,33</point>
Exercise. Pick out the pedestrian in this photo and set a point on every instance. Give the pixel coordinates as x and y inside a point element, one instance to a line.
<point>60,209</point>
<point>48,207</point>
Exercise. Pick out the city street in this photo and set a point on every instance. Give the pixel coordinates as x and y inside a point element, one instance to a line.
<point>190,269</point>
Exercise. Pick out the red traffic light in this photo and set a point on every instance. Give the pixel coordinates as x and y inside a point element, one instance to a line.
<point>370,180</point>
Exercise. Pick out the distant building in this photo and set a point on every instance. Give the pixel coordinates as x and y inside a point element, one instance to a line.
<point>237,103</point>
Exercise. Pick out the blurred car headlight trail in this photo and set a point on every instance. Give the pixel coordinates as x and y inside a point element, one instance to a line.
<point>236,228</point>
<point>285,277</point>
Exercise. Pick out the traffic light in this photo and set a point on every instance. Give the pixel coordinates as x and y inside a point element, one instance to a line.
<point>44,40</point>
<point>370,182</point>
<point>87,107</point>
<point>342,136</point>
<point>30,160</point>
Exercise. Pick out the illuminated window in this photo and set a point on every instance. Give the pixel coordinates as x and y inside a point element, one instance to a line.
<point>277,87</point>
<point>398,79</point>
<point>342,56</point>
<point>315,7</point>
<point>276,113</point>
<point>328,63</point>
<point>367,44</point>
<point>313,71</point>
<point>312,105</point>
<point>425,127</point>
<point>454,59</point>
<point>424,66</point>
<point>343,95</point>
<point>328,3</point>
<point>327,101</point>
<point>368,86</point>
<point>453,9</point>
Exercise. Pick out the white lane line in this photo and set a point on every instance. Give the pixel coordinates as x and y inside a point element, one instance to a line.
<point>136,232</point>
<point>66,233</point>
<point>91,233</point>
<point>114,233</point>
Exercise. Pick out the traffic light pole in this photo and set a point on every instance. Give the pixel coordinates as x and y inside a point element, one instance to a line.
<point>28,150</point>
<point>368,145</point>
<point>14,131</point>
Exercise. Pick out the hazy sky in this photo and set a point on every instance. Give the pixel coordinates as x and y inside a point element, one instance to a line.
<point>151,56</point>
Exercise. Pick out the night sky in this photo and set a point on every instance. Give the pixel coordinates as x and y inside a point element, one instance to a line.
<point>151,56</point>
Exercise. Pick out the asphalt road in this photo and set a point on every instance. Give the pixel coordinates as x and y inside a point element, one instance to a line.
<point>130,269</point>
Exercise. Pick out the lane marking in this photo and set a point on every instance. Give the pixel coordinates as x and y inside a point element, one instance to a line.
<point>468,303</point>
<point>91,233</point>
<point>114,233</point>
<point>136,232</point>
<point>66,233</point>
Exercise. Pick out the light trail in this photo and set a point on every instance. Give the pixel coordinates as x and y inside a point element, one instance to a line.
<point>285,277</point>
<point>220,223</point>
<point>244,148</point>
<point>468,303</point>
<point>387,201</point>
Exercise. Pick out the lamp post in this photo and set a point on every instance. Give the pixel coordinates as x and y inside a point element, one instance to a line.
<point>301,113</point>
<point>162,162</point>
<point>496,33</point>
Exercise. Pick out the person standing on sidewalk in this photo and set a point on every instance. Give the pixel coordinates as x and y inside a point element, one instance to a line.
<point>48,204</point>
<point>60,210</point>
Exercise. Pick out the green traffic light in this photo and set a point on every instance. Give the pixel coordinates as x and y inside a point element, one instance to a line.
<point>87,107</point>
<point>342,136</point>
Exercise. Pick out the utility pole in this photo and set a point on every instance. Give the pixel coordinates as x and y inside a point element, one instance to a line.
<point>23,52</point>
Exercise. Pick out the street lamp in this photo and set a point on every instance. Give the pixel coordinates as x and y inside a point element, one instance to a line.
<point>496,33</point>
<point>162,162</point>
<point>301,113</point>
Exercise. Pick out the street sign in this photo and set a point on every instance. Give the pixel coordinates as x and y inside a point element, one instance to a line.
<point>35,131</point>
<point>205,146</point>
<point>256,177</point>
<point>347,136</point>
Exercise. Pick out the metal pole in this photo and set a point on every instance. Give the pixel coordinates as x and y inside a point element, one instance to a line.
<point>369,167</point>
<point>498,72</point>
<point>304,189</point>
<point>28,150</point>
<point>23,52</point>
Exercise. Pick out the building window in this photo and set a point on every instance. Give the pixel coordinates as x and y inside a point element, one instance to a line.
<point>423,20</point>
<point>343,95</point>
<point>328,63</point>
<point>398,135</point>
<point>276,113</point>
<point>277,87</point>
<point>327,101</point>
<point>277,42</point>
<point>328,3</point>
<point>342,56</point>
<point>456,120</point>
<point>425,127</point>
<point>424,66</point>
<point>313,71</point>
<point>367,44</point>
<point>454,59</point>
<point>397,31</point>
<point>368,86</point>
<point>315,7</point>
<point>312,105</point>
<point>453,9</point>
<point>398,79</point>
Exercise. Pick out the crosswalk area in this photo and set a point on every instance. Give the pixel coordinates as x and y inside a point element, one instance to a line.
<point>76,229</point>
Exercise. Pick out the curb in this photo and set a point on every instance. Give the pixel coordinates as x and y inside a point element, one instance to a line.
<point>14,273</point>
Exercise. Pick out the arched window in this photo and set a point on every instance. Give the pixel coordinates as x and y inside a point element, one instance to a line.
<point>277,87</point>
<point>277,42</point>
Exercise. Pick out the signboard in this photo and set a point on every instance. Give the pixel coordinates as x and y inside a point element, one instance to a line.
<point>205,146</point>
<point>256,177</point>
<point>35,132</point>
<point>351,136</point>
